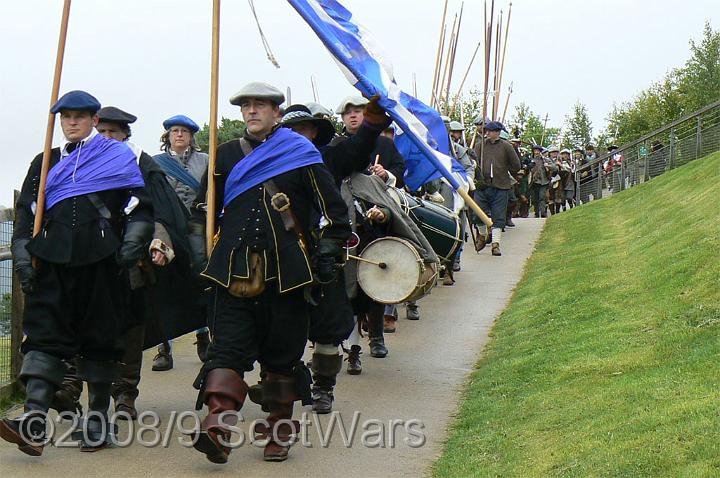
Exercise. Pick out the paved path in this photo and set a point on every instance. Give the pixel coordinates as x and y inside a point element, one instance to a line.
<point>428,363</point>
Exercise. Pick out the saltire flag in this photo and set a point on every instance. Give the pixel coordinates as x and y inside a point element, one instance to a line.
<point>424,144</point>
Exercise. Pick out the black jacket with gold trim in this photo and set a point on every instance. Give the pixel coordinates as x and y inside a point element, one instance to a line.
<point>249,223</point>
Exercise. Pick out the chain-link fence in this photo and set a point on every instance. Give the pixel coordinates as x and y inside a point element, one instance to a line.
<point>684,140</point>
<point>6,227</point>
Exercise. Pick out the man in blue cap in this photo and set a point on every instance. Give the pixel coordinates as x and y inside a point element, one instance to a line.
<point>497,161</point>
<point>97,223</point>
<point>184,166</point>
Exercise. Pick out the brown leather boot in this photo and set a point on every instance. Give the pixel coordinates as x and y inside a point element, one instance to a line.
<point>496,249</point>
<point>225,390</point>
<point>390,324</point>
<point>281,431</point>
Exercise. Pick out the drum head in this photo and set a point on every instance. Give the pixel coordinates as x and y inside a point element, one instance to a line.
<point>396,282</point>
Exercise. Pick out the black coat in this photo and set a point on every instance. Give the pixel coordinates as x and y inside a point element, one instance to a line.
<point>250,223</point>
<point>74,232</point>
<point>390,157</point>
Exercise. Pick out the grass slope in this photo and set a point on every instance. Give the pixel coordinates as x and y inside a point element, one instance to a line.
<point>607,360</point>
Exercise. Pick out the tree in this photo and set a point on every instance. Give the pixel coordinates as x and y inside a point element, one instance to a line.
<point>699,82</point>
<point>682,91</point>
<point>578,128</point>
<point>229,129</point>
<point>531,128</point>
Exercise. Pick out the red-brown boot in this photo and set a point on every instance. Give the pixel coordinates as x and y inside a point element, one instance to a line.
<point>225,391</point>
<point>281,431</point>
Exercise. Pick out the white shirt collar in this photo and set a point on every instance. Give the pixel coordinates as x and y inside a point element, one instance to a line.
<point>63,148</point>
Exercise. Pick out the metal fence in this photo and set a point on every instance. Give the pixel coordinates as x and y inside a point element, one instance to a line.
<point>686,139</point>
<point>6,319</point>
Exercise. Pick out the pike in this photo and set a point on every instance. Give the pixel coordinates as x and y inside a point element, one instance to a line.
<point>502,63</point>
<point>212,147</point>
<point>45,166</point>
<point>439,52</point>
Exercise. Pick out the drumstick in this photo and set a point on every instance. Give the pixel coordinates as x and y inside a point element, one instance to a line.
<point>381,265</point>
<point>377,160</point>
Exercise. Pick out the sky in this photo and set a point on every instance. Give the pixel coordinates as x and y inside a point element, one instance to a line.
<point>152,57</point>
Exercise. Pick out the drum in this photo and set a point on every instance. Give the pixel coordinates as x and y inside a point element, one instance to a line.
<point>404,277</point>
<point>439,225</point>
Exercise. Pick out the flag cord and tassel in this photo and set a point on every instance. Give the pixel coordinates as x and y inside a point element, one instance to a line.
<point>265,43</point>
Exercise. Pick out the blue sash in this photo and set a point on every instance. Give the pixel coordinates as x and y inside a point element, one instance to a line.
<point>173,169</point>
<point>283,151</point>
<point>101,164</point>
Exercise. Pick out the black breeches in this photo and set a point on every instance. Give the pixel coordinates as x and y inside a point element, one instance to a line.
<point>77,311</point>
<point>271,328</point>
<point>331,321</point>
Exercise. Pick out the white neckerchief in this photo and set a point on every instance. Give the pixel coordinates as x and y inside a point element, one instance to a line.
<point>66,143</point>
<point>64,152</point>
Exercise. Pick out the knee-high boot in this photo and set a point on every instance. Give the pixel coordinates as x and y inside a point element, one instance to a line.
<point>224,391</point>
<point>42,374</point>
<point>95,433</point>
<point>326,364</point>
<point>279,395</point>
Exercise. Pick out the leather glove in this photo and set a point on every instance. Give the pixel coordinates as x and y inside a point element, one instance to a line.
<point>23,265</point>
<point>328,251</point>
<point>137,235</point>
<point>375,115</point>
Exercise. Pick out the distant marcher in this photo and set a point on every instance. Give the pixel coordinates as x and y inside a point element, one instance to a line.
<point>497,161</point>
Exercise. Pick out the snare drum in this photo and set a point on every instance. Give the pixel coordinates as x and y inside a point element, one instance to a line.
<point>405,276</point>
<point>439,225</point>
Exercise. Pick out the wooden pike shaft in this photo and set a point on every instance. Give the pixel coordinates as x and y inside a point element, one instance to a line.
<point>433,93</point>
<point>507,102</point>
<point>462,83</point>
<point>447,61</point>
<point>45,166</point>
<point>452,60</point>
<point>504,50</point>
<point>488,42</point>
<point>439,51</point>
<point>495,73</point>
<point>212,147</point>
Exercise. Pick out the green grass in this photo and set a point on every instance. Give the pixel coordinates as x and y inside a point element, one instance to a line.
<point>607,360</point>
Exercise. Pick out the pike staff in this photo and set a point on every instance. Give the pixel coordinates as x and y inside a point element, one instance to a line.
<point>40,209</point>
<point>212,148</point>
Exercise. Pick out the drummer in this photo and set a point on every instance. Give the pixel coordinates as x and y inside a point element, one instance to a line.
<point>332,320</point>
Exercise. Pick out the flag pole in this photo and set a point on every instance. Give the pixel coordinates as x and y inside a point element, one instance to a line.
<point>212,148</point>
<point>474,206</point>
<point>45,166</point>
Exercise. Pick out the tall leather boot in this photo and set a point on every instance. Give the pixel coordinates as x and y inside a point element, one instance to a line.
<point>509,214</point>
<point>375,331</point>
<point>96,433</point>
<point>125,390</point>
<point>67,396</point>
<point>279,395</point>
<point>224,391</point>
<point>42,374</point>
<point>324,373</point>
<point>255,392</point>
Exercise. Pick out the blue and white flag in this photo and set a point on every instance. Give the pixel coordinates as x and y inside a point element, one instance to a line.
<point>424,143</point>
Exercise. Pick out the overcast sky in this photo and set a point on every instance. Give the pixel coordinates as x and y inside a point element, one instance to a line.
<point>152,57</point>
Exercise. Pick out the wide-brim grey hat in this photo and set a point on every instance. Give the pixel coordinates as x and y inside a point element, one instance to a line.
<point>456,126</point>
<point>350,101</point>
<point>316,109</point>
<point>258,90</point>
<point>300,113</point>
